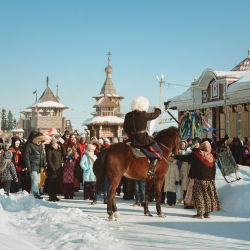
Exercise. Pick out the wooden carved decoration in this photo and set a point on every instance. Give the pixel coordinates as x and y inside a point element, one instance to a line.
<point>208,112</point>
<point>239,108</point>
<point>227,109</point>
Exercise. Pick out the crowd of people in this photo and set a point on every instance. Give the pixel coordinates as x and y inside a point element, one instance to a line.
<point>54,164</point>
<point>50,163</point>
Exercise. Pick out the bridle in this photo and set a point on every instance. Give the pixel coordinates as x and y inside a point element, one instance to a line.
<point>165,148</point>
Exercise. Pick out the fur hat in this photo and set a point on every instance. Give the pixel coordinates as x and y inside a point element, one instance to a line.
<point>140,103</point>
<point>53,141</point>
<point>106,140</point>
<point>82,136</point>
<point>197,139</point>
<point>7,154</point>
<point>90,146</point>
<point>39,137</point>
<point>53,131</point>
<point>100,141</point>
<point>120,139</point>
<point>115,140</point>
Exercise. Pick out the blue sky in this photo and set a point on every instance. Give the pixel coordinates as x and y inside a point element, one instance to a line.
<point>69,42</point>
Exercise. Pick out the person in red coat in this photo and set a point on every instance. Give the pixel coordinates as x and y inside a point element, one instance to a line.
<point>135,124</point>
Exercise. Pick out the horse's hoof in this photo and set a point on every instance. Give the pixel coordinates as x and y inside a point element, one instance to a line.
<point>117,214</point>
<point>162,215</point>
<point>112,218</point>
<point>148,214</point>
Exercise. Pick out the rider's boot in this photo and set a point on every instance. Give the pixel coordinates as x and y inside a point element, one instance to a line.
<point>152,165</point>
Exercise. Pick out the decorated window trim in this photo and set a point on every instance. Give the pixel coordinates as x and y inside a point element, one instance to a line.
<point>214,90</point>
<point>204,96</point>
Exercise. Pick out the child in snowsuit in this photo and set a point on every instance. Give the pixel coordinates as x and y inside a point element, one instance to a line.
<point>8,171</point>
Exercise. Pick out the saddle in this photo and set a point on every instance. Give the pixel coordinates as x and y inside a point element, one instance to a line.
<point>136,151</point>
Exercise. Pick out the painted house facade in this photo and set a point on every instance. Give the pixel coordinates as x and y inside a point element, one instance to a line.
<point>223,97</point>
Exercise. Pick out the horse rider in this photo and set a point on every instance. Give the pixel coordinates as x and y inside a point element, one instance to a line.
<point>135,124</point>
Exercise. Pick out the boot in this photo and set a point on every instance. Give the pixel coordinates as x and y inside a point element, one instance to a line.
<point>51,198</point>
<point>142,203</point>
<point>207,215</point>
<point>105,201</point>
<point>152,165</point>
<point>198,216</point>
<point>56,199</point>
<point>94,202</point>
<point>137,203</point>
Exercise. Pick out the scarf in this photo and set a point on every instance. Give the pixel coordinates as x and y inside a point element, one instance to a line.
<point>91,156</point>
<point>204,154</point>
<point>73,146</point>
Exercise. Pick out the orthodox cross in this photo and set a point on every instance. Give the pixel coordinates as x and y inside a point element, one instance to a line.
<point>57,90</point>
<point>47,81</point>
<point>109,54</point>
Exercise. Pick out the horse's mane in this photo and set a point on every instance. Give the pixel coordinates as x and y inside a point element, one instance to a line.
<point>167,133</point>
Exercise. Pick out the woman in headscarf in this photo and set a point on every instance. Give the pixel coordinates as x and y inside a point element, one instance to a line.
<point>72,143</point>
<point>203,172</point>
<point>17,160</point>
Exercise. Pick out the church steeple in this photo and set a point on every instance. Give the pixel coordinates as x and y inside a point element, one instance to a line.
<point>108,86</point>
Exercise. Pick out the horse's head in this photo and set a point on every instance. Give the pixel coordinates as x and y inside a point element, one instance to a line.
<point>170,137</point>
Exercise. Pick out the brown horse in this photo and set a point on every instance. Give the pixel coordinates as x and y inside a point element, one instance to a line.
<point>118,160</point>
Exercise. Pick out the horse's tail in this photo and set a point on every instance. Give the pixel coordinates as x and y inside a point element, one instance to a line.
<point>99,170</point>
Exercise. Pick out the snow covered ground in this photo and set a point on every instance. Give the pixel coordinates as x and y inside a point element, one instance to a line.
<point>27,223</point>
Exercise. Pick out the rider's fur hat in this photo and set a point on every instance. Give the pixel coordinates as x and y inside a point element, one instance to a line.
<point>140,103</point>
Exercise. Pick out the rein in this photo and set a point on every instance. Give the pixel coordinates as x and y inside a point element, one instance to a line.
<point>165,148</point>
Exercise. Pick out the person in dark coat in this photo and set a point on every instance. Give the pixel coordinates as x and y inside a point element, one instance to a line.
<point>203,172</point>
<point>54,156</point>
<point>237,149</point>
<point>17,159</point>
<point>34,161</point>
<point>135,124</point>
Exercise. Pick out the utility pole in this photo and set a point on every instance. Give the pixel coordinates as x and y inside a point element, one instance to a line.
<point>161,83</point>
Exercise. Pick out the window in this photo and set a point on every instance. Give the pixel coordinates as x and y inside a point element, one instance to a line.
<point>214,90</point>
<point>209,121</point>
<point>227,124</point>
<point>239,124</point>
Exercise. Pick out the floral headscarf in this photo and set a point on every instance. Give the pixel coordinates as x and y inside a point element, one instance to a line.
<point>204,154</point>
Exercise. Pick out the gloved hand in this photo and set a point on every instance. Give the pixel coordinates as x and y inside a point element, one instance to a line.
<point>180,182</point>
<point>87,169</point>
<point>54,173</point>
<point>28,170</point>
<point>176,182</point>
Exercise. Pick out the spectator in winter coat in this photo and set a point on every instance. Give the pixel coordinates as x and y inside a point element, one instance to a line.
<point>72,143</point>
<point>204,189</point>
<point>82,145</point>
<point>54,156</point>
<point>17,159</point>
<point>68,175</point>
<point>183,170</point>
<point>34,161</point>
<point>172,179</point>
<point>8,171</point>
<point>237,149</point>
<point>89,177</point>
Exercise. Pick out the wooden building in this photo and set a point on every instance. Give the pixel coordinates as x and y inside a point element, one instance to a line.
<point>107,121</point>
<point>45,113</point>
<point>223,97</point>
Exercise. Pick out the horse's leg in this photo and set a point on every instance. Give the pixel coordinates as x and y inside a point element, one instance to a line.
<point>158,186</point>
<point>148,187</point>
<point>111,202</point>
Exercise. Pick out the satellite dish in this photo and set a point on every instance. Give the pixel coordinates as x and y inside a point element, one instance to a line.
<point>162,76</point>
<point>157,78</point>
